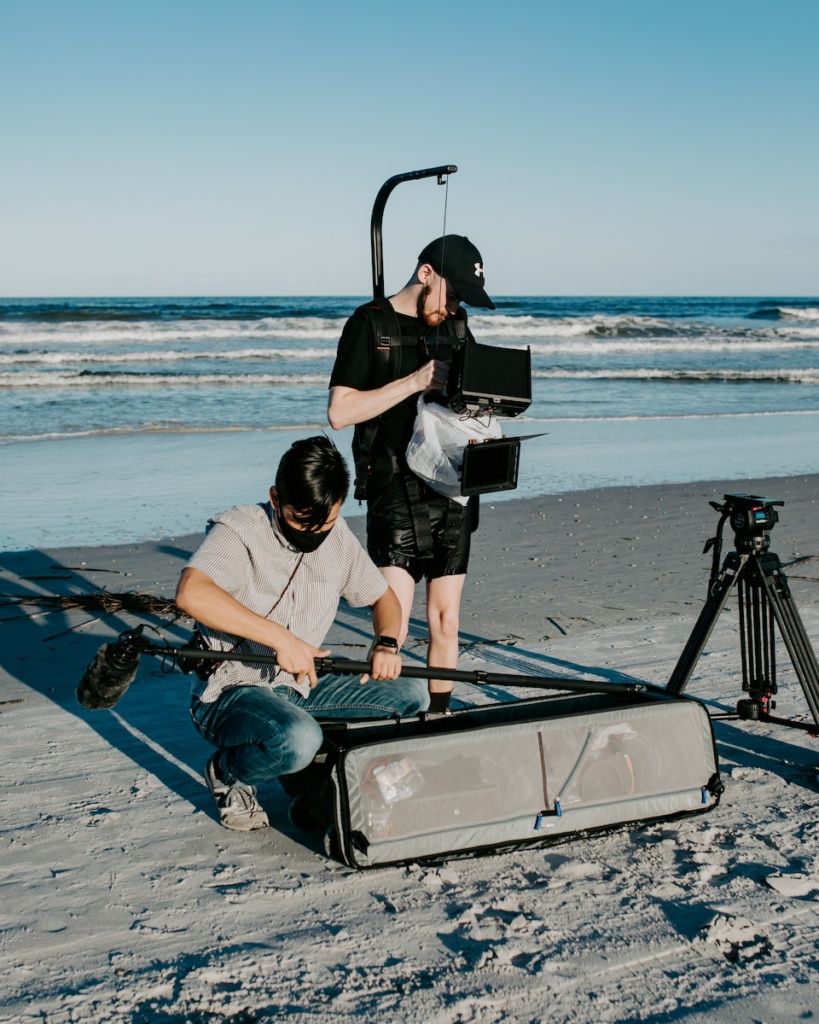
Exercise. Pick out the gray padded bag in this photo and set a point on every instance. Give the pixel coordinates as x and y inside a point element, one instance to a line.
<point>510,776</point>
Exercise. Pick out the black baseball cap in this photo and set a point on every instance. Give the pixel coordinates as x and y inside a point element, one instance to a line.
<point>458,260</point>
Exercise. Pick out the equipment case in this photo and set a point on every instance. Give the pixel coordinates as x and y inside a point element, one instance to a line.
<point>514,775</point>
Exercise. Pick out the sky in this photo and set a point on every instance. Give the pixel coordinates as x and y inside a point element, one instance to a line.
<point>235,147</point>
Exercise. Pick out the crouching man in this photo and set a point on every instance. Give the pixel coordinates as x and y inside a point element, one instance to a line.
<point>268,578</point>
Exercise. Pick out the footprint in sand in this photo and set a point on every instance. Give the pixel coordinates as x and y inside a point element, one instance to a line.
<point>738,939</point>
<point>794,884</point>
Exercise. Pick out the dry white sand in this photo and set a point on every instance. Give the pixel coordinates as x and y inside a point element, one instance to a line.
<point>124,900</point>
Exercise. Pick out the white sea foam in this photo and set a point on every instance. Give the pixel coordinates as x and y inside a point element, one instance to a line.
<point>656,346</point>
<point>801,332</point>
<point>159,332</point>
<point>798,313</point>
<point>163,356</point>
<point>635,334</point>
<point>716,415</point>
<point>66,379</point>
<point>500,325</point>
<point>85,379</point>
<point>789,376</point>
<point>621,329</point>
<point>808,338</point>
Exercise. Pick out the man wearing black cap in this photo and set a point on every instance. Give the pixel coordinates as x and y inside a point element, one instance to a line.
<point>392,350</point>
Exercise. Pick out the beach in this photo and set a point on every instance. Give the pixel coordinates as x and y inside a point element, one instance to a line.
<point>198,256</point>
<point>124,900</point>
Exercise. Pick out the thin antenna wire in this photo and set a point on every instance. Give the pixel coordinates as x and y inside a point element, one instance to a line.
<point>443,233</point>
<point>442,298</point>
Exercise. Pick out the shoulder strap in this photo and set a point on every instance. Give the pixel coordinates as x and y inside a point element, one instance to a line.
<point>386,334</point>
<point>457,326</point>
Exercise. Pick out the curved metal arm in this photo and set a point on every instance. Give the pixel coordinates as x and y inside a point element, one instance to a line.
<point>378,215</point>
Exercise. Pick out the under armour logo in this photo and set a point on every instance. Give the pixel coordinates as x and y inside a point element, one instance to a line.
<point>478,270</point>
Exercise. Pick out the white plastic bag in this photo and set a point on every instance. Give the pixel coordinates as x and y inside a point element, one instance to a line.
<point>435,451</point>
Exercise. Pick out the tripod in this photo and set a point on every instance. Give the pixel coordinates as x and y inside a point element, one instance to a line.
<point>764,601</point>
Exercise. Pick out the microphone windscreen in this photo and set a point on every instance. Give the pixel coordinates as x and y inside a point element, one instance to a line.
<point>104,681</point>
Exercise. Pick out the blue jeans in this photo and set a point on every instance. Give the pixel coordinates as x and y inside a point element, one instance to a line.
<point>264,732</point>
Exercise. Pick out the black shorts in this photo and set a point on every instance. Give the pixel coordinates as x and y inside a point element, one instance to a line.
<point>414,528</point>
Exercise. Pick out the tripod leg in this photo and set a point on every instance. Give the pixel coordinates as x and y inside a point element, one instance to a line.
<point>720,589</point>
<point>756,633</point>
<point>792,629</point>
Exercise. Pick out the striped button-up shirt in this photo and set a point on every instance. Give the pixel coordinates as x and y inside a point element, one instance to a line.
<point>246,555</point>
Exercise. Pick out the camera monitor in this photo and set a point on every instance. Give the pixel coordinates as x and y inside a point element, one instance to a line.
<point>490,466</point>
<point>490,378</point>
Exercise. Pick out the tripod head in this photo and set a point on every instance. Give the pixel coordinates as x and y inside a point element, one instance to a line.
<point>751,517</point>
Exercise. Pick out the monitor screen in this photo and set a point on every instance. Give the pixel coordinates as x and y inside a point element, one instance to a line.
<point>490,466</point>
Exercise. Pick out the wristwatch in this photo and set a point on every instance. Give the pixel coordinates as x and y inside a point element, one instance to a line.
<point>385,641</point>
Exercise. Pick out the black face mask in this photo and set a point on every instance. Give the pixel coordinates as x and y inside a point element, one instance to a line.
<point>301,540</point>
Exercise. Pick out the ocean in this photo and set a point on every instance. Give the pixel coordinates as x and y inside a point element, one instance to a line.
<point>127,419</point>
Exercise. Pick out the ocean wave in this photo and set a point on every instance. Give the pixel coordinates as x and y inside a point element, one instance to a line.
<point>627,329</point>
<point>116,378</point>
<point>704,343</point>
<point>772,376</point>
<point>800,332</point>
<point>636,418</point>
<point>798,338</point>
<point>50,358</point>
<point>170,308</point>
<point>786,313</point>
<point>96,379</point>
<point>598,325</point>
<point>800,312</point>
<point>106,332</point>
<point>632,332</point>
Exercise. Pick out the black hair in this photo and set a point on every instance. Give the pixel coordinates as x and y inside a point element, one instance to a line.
<point>312,477</point>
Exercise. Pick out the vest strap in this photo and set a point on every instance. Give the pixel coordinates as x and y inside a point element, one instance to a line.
<point>386,334</point>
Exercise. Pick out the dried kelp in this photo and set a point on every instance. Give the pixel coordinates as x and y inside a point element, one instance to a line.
<point>99,601</point>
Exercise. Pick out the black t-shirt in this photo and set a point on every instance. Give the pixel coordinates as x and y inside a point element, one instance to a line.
<point>354,369</point>
<point>355,359</point>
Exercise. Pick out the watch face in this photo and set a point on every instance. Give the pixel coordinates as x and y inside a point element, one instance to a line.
<point>386,641</point>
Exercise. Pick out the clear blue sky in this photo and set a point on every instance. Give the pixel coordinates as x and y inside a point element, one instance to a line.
<point>201,147</point>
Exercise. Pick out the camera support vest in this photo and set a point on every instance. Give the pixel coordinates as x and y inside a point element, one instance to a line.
<point>388,344</point>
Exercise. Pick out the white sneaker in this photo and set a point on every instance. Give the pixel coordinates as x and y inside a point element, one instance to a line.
<point>236,803</point>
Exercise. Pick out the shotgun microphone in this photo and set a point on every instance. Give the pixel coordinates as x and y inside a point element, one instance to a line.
<point>111,672</point>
